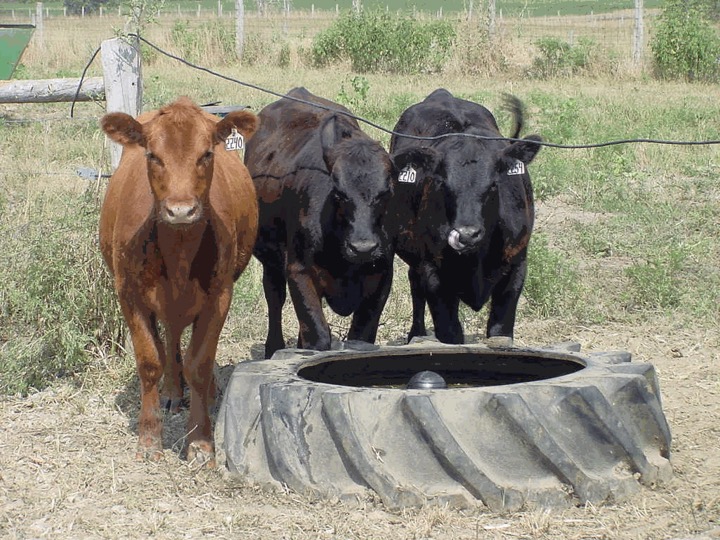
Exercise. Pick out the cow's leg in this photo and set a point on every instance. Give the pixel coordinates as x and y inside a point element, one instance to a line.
<point>149,351</point>
<point>367,317</point>
<point>172,390</point>
<point>417,293</point>
<point>275,288</point>
<point>503,305</point>
<point>314,329</point>
<point>199,371</point>
<point>444,307</point>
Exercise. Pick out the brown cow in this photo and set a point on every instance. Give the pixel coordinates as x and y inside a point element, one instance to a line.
<point>177,228</point>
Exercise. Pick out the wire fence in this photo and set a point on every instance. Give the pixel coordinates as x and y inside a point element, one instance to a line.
<point>610,30</point>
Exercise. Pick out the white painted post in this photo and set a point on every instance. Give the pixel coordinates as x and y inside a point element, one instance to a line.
<point>123,82</point>
<point>219,9</point>
<point>39,25</point>
<point>239,28</point>
<point>638,35</point>
<point>198,11</point>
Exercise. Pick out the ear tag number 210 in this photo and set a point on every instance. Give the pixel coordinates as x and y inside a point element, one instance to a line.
<point>408,175</point>
<point>234,141</point>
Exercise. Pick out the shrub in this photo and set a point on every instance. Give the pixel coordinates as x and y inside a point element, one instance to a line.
<point>380,43</point>
<point>685,45</point>
<point>58,301</point>
<point>561,59</point>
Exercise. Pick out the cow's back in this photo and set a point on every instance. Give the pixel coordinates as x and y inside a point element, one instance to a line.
<point>288,139</point>
<point>438,114</point>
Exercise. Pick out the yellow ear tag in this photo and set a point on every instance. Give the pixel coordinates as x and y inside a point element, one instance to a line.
<point>234,141</point>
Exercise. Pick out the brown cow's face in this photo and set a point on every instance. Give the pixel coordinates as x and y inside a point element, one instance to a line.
<point>180,168</point>
<point>180,143</point>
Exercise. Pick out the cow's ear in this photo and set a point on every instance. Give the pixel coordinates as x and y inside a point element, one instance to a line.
<point>418,158</point>
<point>245,122</point>
<point>524,151</point>
<point>123,129</point>
<point>332,131</point>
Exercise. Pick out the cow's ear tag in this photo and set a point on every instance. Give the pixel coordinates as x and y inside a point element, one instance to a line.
<point>408,175</point>
<point>518,168</point>
<point>234,141</point>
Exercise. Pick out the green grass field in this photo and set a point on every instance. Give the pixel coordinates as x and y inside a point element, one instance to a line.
<point>641,241</point>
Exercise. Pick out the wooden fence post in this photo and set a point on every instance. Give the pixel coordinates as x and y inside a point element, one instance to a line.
<point>239,28</point>
<point>123,82</point>
<point>638,34</point>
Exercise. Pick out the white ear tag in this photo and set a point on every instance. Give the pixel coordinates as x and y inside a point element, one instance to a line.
<point>234,141</point>
<point>408,175</point>
<point>518,168</point>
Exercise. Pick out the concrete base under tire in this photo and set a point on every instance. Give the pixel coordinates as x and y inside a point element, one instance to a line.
<point>516,428</point>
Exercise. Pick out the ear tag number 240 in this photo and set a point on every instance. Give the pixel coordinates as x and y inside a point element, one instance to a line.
<point>234,141</point>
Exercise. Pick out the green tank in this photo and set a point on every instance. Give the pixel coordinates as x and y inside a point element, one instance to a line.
<point>13,40</point>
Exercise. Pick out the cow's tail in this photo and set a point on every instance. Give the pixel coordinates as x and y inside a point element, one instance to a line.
<point>515,107</point>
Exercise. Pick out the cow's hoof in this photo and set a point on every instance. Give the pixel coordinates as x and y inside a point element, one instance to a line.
<point>149,454</point>
<point>201,454</point>
<point>499,342</point>
<point>170,405</point>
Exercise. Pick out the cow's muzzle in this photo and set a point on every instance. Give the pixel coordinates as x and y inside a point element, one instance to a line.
<point>464,239</point>
<point>181,213</point>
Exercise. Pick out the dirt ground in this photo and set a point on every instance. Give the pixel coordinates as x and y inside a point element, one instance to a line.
<point>67,467</point>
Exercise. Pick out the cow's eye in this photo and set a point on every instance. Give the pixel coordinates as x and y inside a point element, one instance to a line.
<point>152,158</point>
<point>340,197</point>
<point>205,158</point>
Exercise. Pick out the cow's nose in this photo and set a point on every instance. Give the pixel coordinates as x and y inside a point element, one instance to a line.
<point>469,236</point>
<point>181,213</point>
<point>363,247</point>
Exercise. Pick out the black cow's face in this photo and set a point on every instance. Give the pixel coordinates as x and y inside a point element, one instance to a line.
<point>362,186</point>
<point>458,180</point>
<point>361,172</point>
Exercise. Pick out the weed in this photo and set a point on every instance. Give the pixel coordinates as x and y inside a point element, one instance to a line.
<point>551,285</point>
<point>58,301</point>
<point>559,58</point>
<point>655,283</point>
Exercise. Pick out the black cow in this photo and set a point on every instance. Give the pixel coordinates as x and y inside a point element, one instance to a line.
<point>465,213</point>
<point>323,189</point>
